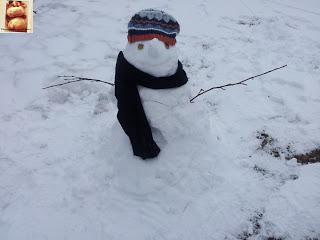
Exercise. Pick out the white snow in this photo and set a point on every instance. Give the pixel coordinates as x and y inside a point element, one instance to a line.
<point>67,170</point>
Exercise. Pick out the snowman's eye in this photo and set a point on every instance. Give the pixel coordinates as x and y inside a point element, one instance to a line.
<point>167,45</point>
<point>140,46</point>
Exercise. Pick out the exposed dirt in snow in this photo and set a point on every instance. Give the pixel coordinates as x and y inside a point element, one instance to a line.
<point>269,145</point>
<point>311,157</point>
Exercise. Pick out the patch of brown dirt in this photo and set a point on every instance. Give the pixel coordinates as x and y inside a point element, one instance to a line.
<point>270,145</point>
<point>307,158</point>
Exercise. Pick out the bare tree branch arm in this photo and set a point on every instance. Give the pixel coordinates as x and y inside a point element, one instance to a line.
<point>201,92</point>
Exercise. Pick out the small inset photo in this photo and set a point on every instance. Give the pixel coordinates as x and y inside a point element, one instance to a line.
<point>18,16</point>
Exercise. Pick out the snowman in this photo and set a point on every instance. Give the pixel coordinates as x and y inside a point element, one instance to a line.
<point>150,81</point>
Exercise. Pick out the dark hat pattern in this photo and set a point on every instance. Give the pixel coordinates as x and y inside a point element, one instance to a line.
<point>150,23</point>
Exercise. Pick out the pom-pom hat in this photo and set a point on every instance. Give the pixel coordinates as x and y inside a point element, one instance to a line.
<point>149,24</point>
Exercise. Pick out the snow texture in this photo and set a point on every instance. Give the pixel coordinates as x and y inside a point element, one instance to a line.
<point>67,170</point>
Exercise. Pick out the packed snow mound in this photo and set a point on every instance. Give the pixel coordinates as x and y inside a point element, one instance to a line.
<point>67,169</point>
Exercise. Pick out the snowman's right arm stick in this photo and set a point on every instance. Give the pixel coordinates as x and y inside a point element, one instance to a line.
<point>72,79</point>
<point>201,92</point>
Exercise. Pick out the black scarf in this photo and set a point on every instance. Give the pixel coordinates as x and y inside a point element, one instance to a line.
<point>131,114</point>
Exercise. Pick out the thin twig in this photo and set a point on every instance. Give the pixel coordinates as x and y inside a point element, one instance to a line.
<point>72,79</point>
<point>201,92</point>
<point>158,102</point>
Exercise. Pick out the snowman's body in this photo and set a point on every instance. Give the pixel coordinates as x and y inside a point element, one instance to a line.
<point>150,82</point>
<point>162,106</point>
<point>164,109</point>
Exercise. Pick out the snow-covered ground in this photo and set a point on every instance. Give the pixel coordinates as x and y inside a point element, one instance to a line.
<point>66,167</point>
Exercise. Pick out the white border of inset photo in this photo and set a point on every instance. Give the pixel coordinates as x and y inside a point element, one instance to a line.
<point>2,15</point>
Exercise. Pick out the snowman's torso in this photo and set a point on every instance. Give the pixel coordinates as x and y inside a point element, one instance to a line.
<point>163,106</point>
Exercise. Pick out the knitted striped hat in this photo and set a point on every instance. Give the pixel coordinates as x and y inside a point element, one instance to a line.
<point>149,24</point>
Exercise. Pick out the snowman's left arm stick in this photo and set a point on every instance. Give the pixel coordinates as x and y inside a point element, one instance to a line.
<point>73,79</point>
<point>201,92</point>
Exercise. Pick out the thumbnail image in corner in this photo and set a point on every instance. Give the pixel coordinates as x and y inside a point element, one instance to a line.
<point>17,16</point>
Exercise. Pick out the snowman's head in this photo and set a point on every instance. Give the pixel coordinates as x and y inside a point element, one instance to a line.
<point>151,42</point>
